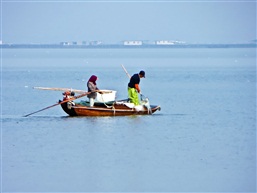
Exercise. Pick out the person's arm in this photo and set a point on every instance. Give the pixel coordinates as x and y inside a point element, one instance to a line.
<point>137,88</point>
<point>92,87</point>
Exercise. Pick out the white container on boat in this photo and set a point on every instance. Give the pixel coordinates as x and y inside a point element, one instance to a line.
<point>107,96</point>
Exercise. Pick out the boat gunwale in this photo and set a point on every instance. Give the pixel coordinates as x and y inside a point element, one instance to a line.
<point>102,108</point>
<point>106,109</point>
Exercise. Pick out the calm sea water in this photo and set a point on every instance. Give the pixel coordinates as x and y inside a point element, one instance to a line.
<point>203,139</point>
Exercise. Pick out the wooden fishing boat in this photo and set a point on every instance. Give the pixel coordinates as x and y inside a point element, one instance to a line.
<point>105,103</point>
<point>118,108</point>
<point>110,108</point>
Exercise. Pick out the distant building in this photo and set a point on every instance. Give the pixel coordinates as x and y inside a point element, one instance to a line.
<point>148,42</point>
<point>95,43</point>
<point>85,43</point>
<point>133,43</point>
<point>168,42</point>
<point>74,43</point>
<point>79,43</point>
<point>164,42</point>
<point>65,43</point>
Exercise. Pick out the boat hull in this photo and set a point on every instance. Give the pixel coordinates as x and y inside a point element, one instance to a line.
<point>74,109</point>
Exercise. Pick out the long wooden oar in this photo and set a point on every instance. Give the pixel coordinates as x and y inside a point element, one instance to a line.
<point>65,101</point>
<point>70,89</point>
<point>126,71</point>
<point>127,74</point>
<point>60,89</point>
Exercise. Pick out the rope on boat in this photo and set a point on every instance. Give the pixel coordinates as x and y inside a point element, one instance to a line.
<point>146,103</point>
<point>113,110</point>
<point>105,103</point>
<point>112,106</point>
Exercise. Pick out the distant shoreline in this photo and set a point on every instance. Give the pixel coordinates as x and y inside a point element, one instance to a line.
<point>106,46</point>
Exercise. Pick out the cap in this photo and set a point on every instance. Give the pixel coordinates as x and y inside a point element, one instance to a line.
<point>142,73</point>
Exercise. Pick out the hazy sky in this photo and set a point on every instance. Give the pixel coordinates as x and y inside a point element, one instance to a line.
<point>205,21</point>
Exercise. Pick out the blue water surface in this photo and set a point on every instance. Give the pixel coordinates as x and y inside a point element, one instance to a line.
<point>203,139</point>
